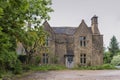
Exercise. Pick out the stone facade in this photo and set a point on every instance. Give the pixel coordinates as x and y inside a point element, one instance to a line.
<point>73,46</point>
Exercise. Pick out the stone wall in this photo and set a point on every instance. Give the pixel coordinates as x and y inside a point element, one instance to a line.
<point>60,48</point>
<point>97,49</point>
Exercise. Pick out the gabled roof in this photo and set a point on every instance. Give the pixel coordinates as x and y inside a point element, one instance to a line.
<point>47,26</point>
<point>64,30</point>
<point>84,25</point>
<point>67,30</point>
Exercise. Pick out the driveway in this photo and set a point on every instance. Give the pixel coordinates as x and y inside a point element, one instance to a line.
<point>75,75</point>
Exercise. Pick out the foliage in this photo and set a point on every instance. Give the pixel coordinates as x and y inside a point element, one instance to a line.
<point>118,53</point>
<point>113,50</point>
<point>116,60</point>
<point>33,42</point>
<point>101,67</point>
<point>107,57</point>
<point>6,75</point>
<point>108,66</point>
<point>113,46</point>
<point>1,73</point>
<point>37,60</point>
<point>11,21</point>
<point>17,67</point>
<point>1,12</point>
<point>7,56</point>
<point>14,15</point>
<point>13,18</point>
<point>35,36</point>
<point>47,67</point>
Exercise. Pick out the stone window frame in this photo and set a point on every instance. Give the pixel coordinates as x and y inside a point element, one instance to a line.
<point>83,41</point>
<point>83,58</point>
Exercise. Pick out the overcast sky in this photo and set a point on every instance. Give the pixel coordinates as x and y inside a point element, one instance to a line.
<point>71,12</point>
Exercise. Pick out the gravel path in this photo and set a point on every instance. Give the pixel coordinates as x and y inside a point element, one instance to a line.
<point>75,75</point>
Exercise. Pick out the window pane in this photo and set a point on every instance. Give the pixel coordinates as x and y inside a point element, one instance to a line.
<point>80,60</point>
<point>43,54</point>
<point>81,55</point>
<point>83,58</point>
<point>81,38</point>
<point>82,41</point>
<point>84,38</point>
<point>84,55</point>
<point>44,61</point>
<point>45,58</point>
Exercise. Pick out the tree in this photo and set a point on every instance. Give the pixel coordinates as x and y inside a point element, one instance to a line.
<point>113,46</point>
<point>10,23</point>
<point>20,20</point>
<point>12,18</point>
<point>7,56</point>
<point>33,42</point>
<point>35,35</point>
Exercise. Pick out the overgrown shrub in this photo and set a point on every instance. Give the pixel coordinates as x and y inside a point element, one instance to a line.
<point>26,67</point>
<point>101,67</point>
<point>1,72</point>
<point>6,75</point>
<point>37,60</point>
<point>17,67</point>
<point>108,66</point>
<point>116,60</point>
<point>47,67</point>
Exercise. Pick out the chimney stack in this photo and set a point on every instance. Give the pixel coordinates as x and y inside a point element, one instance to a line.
<point>94,25</point>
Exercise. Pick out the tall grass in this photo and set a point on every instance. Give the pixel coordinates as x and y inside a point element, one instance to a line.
<point>101,67</point>
<point>47,67</point>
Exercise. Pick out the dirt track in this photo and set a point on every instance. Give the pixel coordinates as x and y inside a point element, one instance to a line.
<point>75,75</point>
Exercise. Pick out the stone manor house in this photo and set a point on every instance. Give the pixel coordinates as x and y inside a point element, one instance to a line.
<point>72,46</point>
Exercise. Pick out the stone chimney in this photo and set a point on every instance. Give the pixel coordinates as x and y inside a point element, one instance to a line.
<point>94,25</point>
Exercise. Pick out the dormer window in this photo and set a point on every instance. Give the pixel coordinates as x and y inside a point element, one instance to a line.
<point>82,41</point>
